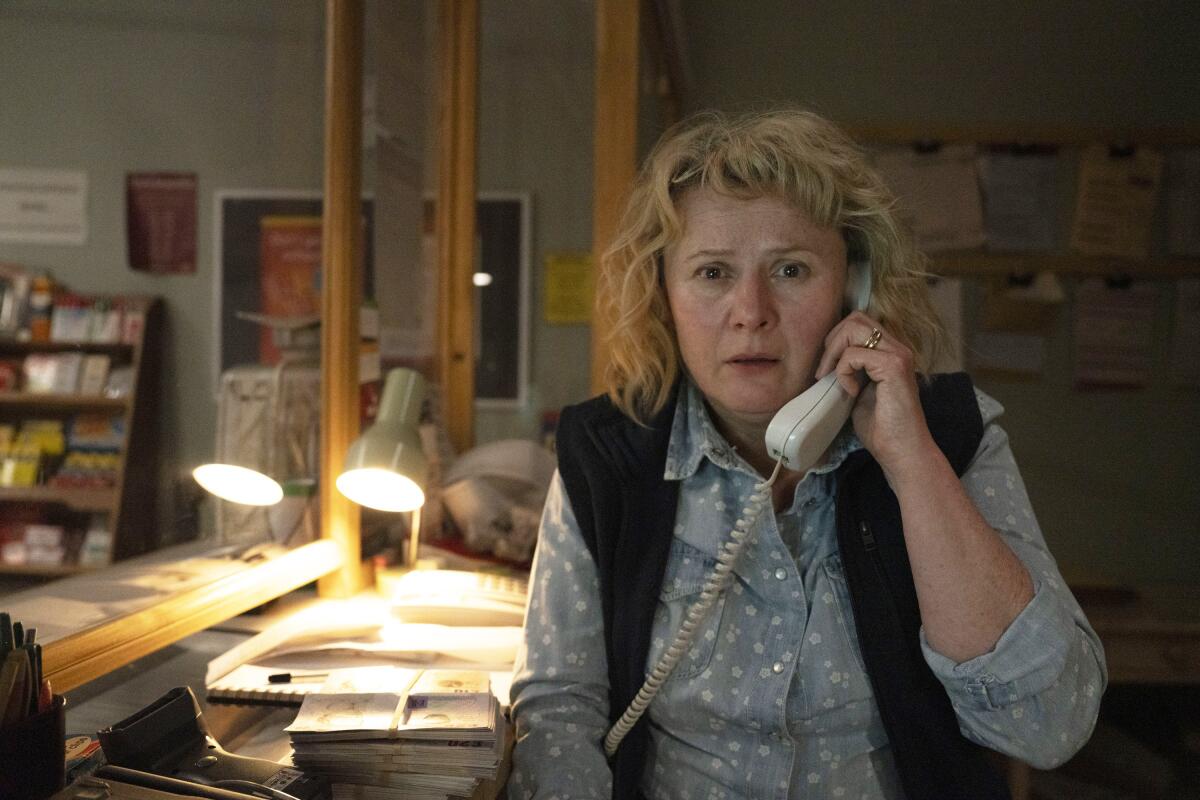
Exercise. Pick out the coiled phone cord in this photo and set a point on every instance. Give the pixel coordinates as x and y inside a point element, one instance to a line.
<point>716,583</point>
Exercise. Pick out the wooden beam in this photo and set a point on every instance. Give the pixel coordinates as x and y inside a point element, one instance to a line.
<point>341,246</point>
<point>615,146</point>
<point>455,215</point>
<point>76,659</point>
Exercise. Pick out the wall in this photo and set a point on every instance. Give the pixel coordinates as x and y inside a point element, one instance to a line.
<point>1111,474</point>
<point>535,135</point>
<point>229,90</point>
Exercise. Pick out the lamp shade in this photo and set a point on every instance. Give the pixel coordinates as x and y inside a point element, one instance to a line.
<point>238,484</point>
<point>385,466</point>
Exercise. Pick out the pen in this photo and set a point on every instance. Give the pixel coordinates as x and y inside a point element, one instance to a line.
<point>289,677</point>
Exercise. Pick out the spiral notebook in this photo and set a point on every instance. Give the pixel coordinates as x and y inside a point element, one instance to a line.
<point>250,683</point>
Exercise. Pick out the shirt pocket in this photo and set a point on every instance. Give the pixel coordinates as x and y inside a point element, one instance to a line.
<point>687,570</point>
<point>836,585</point>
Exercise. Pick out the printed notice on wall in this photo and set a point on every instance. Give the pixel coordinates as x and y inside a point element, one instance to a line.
<point>43,206</point>
<point>160,221</point>
<point>1115,205</point>
<point>1185,339</point>
<point>290,277</point>
<point>938,193</point>
<point>1183,202</point>
<point>568,298</point>
<point>1019,193</point>
<point>1114,334</point>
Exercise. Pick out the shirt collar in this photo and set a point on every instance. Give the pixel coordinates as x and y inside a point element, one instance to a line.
<point>694,437</point>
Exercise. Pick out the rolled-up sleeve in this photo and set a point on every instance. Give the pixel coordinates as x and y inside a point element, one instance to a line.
<point>1035,695</point>
<point>560,685</point>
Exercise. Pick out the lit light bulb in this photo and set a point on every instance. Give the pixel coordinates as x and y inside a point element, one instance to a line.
<point>238,484</point>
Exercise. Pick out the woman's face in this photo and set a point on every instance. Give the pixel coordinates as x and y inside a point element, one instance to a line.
<point>753,287</point>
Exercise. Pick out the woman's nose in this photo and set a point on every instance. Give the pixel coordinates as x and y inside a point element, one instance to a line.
<point>753,306</point>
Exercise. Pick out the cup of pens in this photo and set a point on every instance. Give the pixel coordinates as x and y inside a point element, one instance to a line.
<point>32,722</point>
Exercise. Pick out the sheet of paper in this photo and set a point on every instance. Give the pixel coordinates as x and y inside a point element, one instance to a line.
<point>1114,334</point>
<point>43,206</point>
<point>946,296</point>
<point>1183,202</point>
<point>1185,339</point>
<point>938,194</point>
<point>1115,205</point>
<point>160,221</point>
<point>1030,306</point>
<point>568,292</point>
<point>1019,192</point>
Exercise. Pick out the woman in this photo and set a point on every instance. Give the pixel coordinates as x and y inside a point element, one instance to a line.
<point>896,611</point>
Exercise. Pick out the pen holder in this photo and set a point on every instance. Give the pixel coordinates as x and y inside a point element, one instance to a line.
<point>31,754</point>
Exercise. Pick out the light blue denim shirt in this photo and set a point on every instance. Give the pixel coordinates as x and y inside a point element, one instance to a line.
<point>772,700</point>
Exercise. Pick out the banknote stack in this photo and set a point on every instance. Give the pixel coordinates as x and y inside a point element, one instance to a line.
<point>387,732</point>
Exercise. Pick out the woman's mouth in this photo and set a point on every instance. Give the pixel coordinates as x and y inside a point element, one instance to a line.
<point>752,361</point>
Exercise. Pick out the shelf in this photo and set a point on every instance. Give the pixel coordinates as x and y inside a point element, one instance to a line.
<point>999,133</point>
<point>42,570</point>
<point>977,262</point>
<point>68,402</point>
<point>13,347</point>
<point>78,499</point>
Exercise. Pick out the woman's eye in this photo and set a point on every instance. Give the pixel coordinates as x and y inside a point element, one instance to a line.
<point>791,269</point>
<point>711,273</point>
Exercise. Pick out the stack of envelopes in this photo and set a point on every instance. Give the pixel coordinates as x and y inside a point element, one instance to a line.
<point>383,732</point>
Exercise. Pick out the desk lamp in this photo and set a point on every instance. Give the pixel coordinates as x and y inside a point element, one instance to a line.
<point>385,466</point>
<point>239,479</point>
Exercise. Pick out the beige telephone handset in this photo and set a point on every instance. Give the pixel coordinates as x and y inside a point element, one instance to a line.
<point>797,436</point>
<point>456,597</point>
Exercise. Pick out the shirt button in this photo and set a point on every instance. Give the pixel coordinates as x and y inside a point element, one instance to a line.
<point>777,667</point>
<point>781,573</point>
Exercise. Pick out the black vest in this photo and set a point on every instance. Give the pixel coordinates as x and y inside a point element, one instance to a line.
<point>612,469</point>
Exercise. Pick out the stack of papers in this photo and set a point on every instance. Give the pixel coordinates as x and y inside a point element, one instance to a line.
<point>383,732</point>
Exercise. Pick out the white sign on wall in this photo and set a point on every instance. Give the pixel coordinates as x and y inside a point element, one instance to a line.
<point>43,206</point>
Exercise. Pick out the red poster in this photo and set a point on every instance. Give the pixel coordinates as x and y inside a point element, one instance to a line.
<point>160,219</point>
<point>290,276</point>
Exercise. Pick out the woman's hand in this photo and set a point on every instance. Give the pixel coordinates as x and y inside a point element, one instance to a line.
<point>887,416</point>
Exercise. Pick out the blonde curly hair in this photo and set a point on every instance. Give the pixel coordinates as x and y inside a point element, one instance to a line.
<point>794,155</point>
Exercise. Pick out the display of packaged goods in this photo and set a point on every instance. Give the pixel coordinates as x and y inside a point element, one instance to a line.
<point>71,319</point>
<point>106,321</point>
<point>96,432</point>
<point>10,375</point>
<point>133,322</point>
<point>66,372</point>
<point>94,374</point>
<point>119,383</point>
<point>96,547</point>
<point>39,372</point>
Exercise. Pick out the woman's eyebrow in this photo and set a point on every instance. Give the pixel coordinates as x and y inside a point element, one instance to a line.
<point>709,253</point>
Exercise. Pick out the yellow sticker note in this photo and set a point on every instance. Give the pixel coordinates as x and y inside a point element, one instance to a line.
<point>569,284</point>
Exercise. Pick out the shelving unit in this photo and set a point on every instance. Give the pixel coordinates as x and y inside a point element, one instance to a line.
<point>129,505</point>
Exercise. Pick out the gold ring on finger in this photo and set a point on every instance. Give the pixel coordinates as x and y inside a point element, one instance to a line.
<point>873,340</point>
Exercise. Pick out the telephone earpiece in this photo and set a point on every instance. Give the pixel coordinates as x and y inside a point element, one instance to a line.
<point>858,286</point>
<point>803,429</point>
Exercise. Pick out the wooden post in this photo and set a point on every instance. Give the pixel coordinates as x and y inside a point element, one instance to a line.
<point>341,247</point>
<point>455,215</point>
<point>615,146</point>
